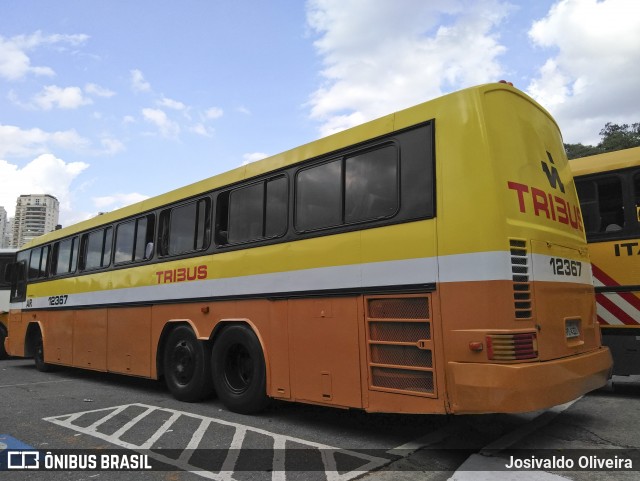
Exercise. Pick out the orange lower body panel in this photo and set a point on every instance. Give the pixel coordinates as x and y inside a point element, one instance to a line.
<point>483,388</point>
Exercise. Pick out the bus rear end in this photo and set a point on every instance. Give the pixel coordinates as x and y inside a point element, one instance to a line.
<point>524,334</point>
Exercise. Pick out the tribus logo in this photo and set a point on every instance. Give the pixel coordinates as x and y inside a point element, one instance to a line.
<point>552,175</point>
<point>548,204</point>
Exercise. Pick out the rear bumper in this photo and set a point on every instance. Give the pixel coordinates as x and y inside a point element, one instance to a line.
<point>485,388</point>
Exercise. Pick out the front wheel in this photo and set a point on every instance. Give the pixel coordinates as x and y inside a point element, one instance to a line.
<point>239,372</point>
<point>3,336</point>
<point>187,370</point>
<point>38,353</point>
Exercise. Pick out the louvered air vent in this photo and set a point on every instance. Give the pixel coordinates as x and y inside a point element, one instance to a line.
<point>520,272</point>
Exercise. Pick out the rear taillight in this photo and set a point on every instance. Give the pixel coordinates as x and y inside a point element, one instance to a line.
<point>511,347</point>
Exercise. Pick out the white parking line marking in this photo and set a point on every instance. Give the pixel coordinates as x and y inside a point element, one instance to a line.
<point>431,438</point>
<point>117,415</point>
<point>161,430</point>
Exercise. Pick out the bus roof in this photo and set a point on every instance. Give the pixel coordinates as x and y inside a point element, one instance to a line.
<point>360,133</point>
<point>619,159</point>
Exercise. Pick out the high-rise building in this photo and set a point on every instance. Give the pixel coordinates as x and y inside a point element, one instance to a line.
<point>4,227</point>
<point>36,214</point>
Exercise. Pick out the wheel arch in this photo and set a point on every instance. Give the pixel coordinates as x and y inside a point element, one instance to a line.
<point>32,328</point>
<point>215,332</point>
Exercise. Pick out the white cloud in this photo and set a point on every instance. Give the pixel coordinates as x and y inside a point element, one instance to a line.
<point>15,64</point>
<point>46,174</point>
<point>202,130</point>
<point>15,141</point>
<point>98,91</point>
<point>213,113</point>
<point>166,126</point>
<point>382,56</point>
<point>67,98</point>
<point>138,83</point>
<point>112,146</point>
<point>116,201</point>
<point>171,104</point>
<point>592,76</point>
<point>253,157</point>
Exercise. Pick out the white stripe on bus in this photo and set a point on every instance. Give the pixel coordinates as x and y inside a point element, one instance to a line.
<point>474,267</point>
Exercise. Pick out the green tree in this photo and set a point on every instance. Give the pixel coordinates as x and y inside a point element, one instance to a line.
<point>617,137</point>
<point>578,150</point>
<point>614,137</point>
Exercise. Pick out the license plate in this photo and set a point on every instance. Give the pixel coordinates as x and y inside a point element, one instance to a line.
<point>572,329</point>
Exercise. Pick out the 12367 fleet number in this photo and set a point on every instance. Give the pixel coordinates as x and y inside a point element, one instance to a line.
<point>565,267</point>
<point>58,300</point>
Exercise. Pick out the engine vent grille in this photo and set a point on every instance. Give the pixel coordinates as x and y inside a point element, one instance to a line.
<point>400,351</point>
<point>520,273</point>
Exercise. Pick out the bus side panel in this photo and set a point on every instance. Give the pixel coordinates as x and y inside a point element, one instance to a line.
<point>324,350</point>
<point>90,339</point>
<point>278,351</point>
<point>17,333</point>
<point>129,341</point>
<point>57,334</point>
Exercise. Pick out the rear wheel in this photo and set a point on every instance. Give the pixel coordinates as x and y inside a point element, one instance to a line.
<point>239,372</point>
<point>187,370</point>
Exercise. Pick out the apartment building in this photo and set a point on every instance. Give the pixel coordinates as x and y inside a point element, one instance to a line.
<point>36,214</point>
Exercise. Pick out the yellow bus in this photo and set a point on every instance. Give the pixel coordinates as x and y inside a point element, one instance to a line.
<point>430,261</point>
<point>609,190</point>
<point>7,257</point>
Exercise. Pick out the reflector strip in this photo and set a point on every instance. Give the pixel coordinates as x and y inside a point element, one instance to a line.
<point>511,347</point>
<point>615,308</point>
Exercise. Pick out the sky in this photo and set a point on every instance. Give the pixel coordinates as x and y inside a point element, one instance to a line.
<point>109,102</point>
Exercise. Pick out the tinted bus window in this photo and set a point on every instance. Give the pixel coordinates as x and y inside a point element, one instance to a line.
<point>185,228</point>
<point>38,262</point>
<point>246,219</point>
<point>96,247</point>
<point>602,204</point>
<point>319,196</point>
<point>355,189</point>
<point>134,240</point>
<point>277,200</point>
<point>253,212</point>
<point>65,256</point>
<point>371,185</point>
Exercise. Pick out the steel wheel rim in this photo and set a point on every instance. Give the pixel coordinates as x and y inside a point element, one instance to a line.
<point>238,368</point>
<point>183,362</point>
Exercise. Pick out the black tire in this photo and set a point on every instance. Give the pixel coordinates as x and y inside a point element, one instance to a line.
<point>187,370</point>
<point>3,336</point>
<point>239,372</point>
<point>38,353</point>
